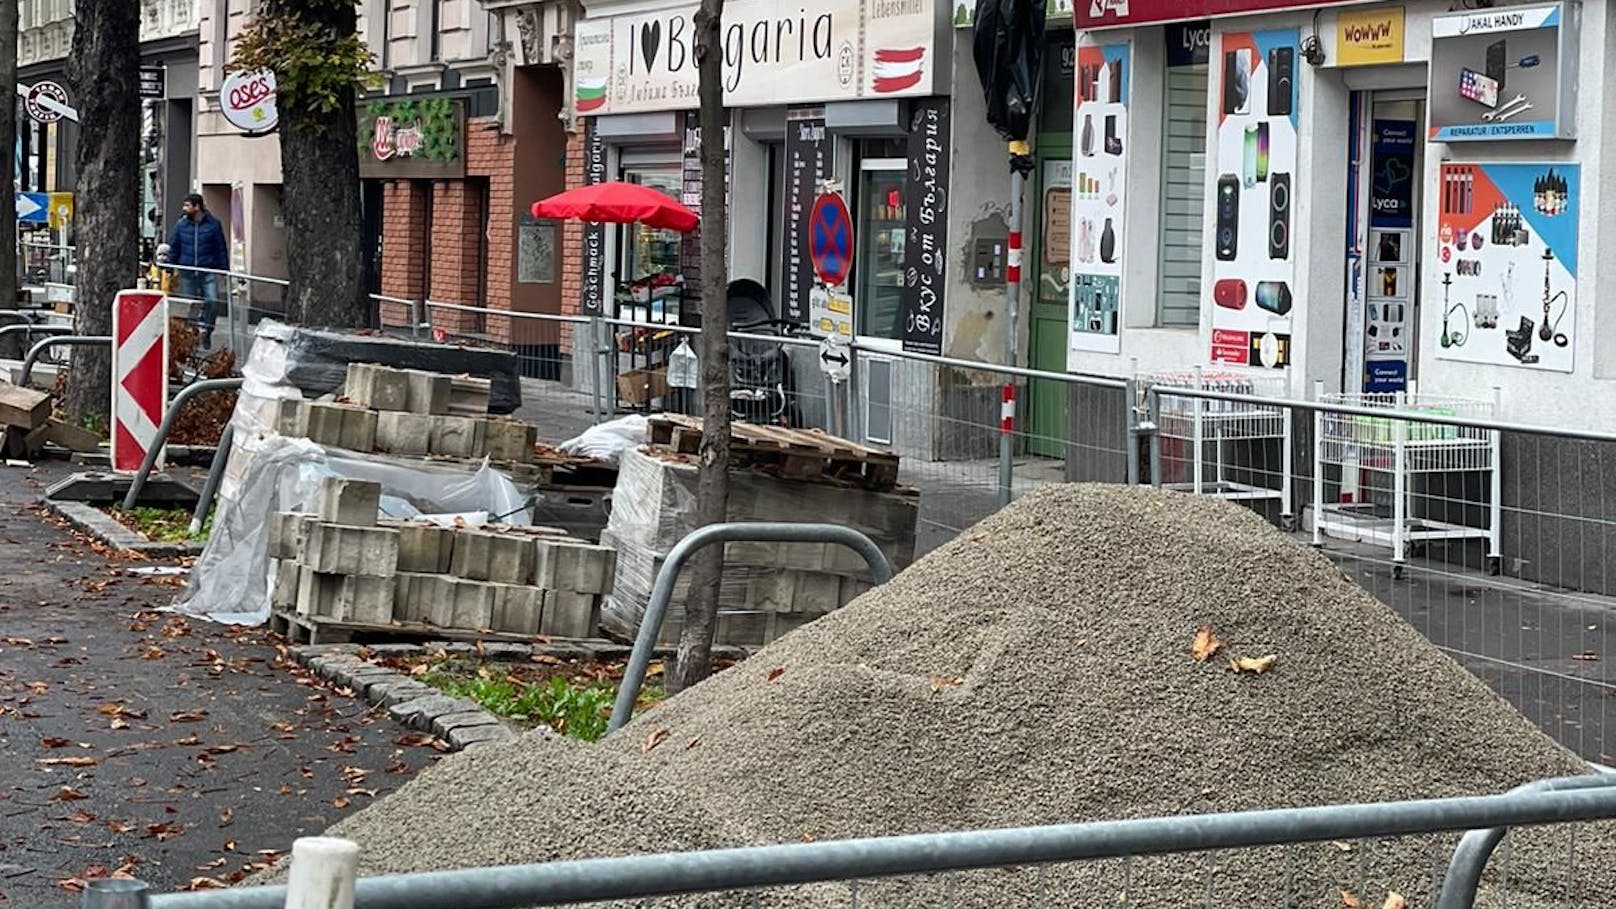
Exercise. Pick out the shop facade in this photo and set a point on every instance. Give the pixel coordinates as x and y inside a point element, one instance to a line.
<point>877,99</point>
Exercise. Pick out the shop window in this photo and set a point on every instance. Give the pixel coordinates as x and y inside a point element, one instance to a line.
<point>646,251</point>
<point>1183,196</point>
<point>878,263</point>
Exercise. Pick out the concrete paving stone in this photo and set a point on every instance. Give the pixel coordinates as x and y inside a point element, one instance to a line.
<point>422,710</point>
<point>509,440</point>
<point>466,719</point>
<point>500,650</point>
<point>458,647</point>
<point>286,533</point>
<point>425,548</point>
<point>428,392</point>
<point>482,555</point>
<point>367,551</point>
<point>467,736</point>
<point>292,417</point>
<point>341,425</point>
<point>378,387</point>
<point>353,503</point>
<point>386,694</point>
<point>473,606</point>
<point>570,615</point>
<point>394,649</point>
<point>468,395</point>
<point>456,437</point>
<point>404,433</point>
<point>573,565</point>
<point>284,594</point>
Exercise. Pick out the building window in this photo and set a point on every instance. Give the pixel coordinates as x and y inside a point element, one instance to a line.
<point>879,259</point>
<point>434,30</point>
<point>1183,197</point>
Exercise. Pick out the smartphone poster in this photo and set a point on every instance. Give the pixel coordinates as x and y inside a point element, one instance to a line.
<point>1505,272</point>
<point>1504,74</point>
<point>1099,190</point>
<point>1252,295</point>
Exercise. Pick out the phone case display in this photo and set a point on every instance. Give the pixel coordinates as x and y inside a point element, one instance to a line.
<point>1253,275</point>
<point>1504,73</point>
<point>1098,191</point>
<point>1506,264</point>
<point>1388,310</point>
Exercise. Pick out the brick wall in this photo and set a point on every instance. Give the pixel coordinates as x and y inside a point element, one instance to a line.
<point>492,154</point>
<point>572,240</point>
<point>457,226</point>
<point>403,247</point>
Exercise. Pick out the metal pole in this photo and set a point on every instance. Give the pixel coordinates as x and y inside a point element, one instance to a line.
<point>1153,413</point>
<point>169,416</point>
<point>59,341</point>
<point>115,893</point>
<point>1012,306</point>
<point>1130,401</point>
<point>221,456</point>
<point>597,366</point>
<point>662,590</point>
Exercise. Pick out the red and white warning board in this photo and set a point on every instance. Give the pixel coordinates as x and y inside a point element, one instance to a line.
<point>139,375</point>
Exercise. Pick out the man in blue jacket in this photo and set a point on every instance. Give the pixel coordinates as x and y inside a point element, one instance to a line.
<point>198,243</point>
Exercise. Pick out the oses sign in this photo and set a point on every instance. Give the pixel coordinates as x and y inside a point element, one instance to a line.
<point>248,101</point>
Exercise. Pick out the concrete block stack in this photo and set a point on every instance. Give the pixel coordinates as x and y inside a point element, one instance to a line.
<point>769,589</point>
<point>342,564</point>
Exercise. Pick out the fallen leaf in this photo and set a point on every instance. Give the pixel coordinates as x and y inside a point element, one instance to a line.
<point>693,743</point>
<point>206,883</point>
<point>118,722</point>
<point>81,817</point>
<point>188,716</point>
<point>38,687</point>
<point>1394,900</point>
<point>222,749</point>
<point>164,832</point>
<point>1350,901</point>
<point>68,794</point>
<point>341,802</point>
<point>119,826</point>
<point>216,863</point>
<point>397,767</point>
<point>56,743</point>
<point>1587,656</point>
<point>1206,644</point>
<point>188,741</point>
<point>1258,665</point>
<point>775,673</point>
<point>413,739</point>
<point>72,885</point>
<point>226,816</point>
<point>230,845</point>
<point>653,740</point>
<point>939,683</point>
<point>68,762</point>
<point>1344,847</point>
<point>153,653</point>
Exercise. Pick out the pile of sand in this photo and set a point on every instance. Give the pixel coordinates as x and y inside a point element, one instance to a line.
<point>1034,671</point>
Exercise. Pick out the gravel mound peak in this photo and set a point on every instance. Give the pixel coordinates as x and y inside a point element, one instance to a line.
<point>1037,670</point>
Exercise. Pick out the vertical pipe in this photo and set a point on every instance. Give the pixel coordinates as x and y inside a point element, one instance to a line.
<point>115,893</point>
<point>1153,413</point>
<point>324,872</point>
<point>210,489</point>
<point>1399,483</point>
<point>1012,306</point>
<point>1198,433</point>
<point>593,344</point>
<point>1495,528</point>
<point>1318,464</point>
<point>1130,395</point>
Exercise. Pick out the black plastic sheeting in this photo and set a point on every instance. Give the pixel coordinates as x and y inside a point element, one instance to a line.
<point>317,363</point>
<point>1009,50</point>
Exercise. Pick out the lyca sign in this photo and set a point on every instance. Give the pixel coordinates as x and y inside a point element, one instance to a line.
<point>774,52</point>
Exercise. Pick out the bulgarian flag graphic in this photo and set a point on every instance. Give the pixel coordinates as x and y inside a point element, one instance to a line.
<point>590,95</point>
<point>898,69</point>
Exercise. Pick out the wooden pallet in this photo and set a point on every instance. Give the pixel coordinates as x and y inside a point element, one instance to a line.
<point>793,454</point>
<point>309,629</point>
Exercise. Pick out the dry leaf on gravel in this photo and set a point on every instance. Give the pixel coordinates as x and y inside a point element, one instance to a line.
<point>1394,900</point>
<point>56,743</point>
<point>68,762</point>
<point>164,832</point>
<point>119,826</point>
<point>188,716</point>
<point>775,673</point>
<point>81,817</point>
<point>205,883</point>
<point>72,885</point>
<point>68,794</point>
<point>413,740</point>
<point>1206,644</point>
<point>216,863</point>
<point>939,683</point>
<point>226,816</point>
<point>341,802</point>
<point>1350,901</point>
<point>653,740</point>
<point>1255,665</point>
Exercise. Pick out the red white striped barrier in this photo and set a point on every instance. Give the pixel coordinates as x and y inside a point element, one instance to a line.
<point>1012,271</point>
<point>139,375</point>
<point>1007,410</point>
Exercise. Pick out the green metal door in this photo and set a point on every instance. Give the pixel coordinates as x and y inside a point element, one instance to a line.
<point>1049,210</point>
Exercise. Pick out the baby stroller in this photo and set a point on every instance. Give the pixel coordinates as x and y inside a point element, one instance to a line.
<point>762,389</point>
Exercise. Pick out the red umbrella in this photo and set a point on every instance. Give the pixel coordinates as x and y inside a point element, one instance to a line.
<point>618,203</point>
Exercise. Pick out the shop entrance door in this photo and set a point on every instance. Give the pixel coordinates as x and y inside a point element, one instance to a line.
<point>1050,207</point>
<point>1384,231</point>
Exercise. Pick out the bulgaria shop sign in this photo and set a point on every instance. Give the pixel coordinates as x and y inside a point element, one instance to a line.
<point>775,52</point>
<point>1507,73</point>
<point>412,139</point>
<point>1252,213</point>
<point>1506,264</point>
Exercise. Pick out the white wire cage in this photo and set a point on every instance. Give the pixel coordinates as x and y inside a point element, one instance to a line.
<point>1202,429</point>
<point>1372,442</point>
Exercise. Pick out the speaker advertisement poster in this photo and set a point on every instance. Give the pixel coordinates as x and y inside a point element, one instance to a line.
<point>1099,191</point>
<point>1506,264</point>
<point>1251,217</point>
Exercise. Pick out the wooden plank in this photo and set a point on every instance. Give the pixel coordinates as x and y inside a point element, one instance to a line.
<point>72,438</point>
<point>23,408</point>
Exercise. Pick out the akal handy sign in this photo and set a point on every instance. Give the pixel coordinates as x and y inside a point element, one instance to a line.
<point>775,52</point>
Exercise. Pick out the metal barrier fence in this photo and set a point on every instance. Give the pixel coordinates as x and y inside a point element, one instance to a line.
<point>1496,540</point>
<point>1310,856</point>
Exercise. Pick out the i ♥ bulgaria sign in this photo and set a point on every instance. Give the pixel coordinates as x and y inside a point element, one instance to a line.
<point>775,52</point>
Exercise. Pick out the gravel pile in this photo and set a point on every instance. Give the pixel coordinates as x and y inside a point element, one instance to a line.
<point>1037,670</point>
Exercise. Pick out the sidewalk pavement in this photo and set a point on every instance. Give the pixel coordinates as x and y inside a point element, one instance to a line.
<point>175,750</point>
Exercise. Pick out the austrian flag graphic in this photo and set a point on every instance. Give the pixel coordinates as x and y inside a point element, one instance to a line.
<point>899,69</point>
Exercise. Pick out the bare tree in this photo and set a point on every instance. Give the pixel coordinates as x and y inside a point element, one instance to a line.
<point>695,656</point>
<point>103,72</point>
<point>319,61</point>
<point>8,140</point>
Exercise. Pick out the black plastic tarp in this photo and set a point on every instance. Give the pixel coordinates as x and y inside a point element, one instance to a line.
<point>1008,47</point>
<point>317,363</point>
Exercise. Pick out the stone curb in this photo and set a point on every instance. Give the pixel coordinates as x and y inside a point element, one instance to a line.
<point>105,529</point>
<point>462,723</point>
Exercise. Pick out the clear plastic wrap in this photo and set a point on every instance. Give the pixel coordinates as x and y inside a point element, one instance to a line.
<point>607,441</point>
<point>232,579</point>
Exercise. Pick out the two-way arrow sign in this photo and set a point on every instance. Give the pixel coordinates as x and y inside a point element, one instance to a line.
<point>834,360</point>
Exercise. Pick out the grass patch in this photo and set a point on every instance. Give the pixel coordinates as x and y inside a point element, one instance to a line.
<point>162,525</point>
<point>574,699</point>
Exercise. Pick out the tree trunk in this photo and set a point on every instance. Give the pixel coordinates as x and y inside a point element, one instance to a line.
<point>320,193</point>
<point>9,285</point>
<point>103,72</point>
<point>695,656</point>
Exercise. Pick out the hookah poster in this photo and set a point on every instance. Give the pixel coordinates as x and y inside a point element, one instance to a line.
<point>1506,264</point>
<point>1099,190</point>
<point>1255,166</point>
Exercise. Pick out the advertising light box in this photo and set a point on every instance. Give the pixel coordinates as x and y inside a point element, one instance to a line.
<point>1505,73</point>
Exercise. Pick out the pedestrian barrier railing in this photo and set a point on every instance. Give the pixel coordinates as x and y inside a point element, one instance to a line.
<point>324,871</point>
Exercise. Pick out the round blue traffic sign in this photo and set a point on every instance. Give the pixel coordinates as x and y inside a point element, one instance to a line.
<point>830,239</point>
